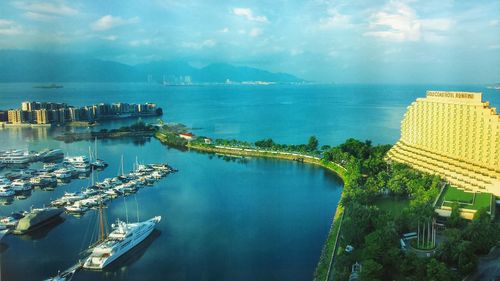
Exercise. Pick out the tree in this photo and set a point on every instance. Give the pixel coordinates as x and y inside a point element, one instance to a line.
<point>437,271</point>
<point>455,221</point>
<point>371,271</point>
<point>312,144</point>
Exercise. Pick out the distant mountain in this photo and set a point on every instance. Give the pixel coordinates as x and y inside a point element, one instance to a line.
<point>27,66</point>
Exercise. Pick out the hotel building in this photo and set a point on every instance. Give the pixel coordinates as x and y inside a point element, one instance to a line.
<point>454,135</point>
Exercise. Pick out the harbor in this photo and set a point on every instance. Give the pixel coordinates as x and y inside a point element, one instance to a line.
<point>77,203</point>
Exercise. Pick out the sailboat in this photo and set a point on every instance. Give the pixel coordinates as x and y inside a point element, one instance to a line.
<point>123,237</point>
<point>97,163</point>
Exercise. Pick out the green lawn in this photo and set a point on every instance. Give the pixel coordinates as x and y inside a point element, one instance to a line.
<point>391,204</point>
<point>467,200</point>
<point>457,195</point>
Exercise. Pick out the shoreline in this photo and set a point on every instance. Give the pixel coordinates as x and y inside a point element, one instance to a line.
<point>327,257</point>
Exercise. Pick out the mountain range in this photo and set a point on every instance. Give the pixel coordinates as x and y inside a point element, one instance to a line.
<point>29,66</point>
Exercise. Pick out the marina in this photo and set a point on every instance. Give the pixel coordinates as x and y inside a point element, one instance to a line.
<point>77,203</point>
<point>19,178</point>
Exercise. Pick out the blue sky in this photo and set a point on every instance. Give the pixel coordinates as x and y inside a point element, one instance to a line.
<point>354,41</point>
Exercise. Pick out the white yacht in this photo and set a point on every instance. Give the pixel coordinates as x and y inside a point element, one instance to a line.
<point>77,207</point>
<point>62,174</point>
<point>81,167</point>
<point>15,156</point>
<point>20,185</point>
<point>124,237</point>
<point>76,159</point>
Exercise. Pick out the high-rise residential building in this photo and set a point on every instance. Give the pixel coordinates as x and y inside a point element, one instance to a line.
<point>26,106</point>
<point>74,114</point>
<point>15,116</point>
<point>42,116</point>
<point>455,135</point>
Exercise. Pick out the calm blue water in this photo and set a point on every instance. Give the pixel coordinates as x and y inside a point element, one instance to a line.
<point>243,219</point>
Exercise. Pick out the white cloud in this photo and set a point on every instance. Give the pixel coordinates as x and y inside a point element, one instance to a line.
<point>52,8</point>
<point>398,22</point>
<point>494,22</point>
<point>142,42</point>
<point>209,43</point>
<point>109,21</point>
<point>335,19</point>
<point>224,30</point>
<point>254,32</point>
<point>38,17</point>
<point>248,14</point>
<point>110,38</point>
<point>8,27</point>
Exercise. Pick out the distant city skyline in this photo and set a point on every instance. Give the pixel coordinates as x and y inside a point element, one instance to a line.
<point>409,41</point>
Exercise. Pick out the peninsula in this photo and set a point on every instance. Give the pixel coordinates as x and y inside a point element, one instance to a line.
<point>397,219</point>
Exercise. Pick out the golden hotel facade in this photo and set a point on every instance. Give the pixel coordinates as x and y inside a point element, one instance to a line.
<point>454,135</point>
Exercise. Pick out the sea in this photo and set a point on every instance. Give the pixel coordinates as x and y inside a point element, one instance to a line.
<point>223,218</point>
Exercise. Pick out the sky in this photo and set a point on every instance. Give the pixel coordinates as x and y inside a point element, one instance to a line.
<point>357,41</point>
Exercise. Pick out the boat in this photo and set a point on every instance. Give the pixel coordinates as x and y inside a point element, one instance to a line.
<point>20,185</point>
<point>66,275</point>
<point>63,174</point>
<point>99,164</point>
<point>77,208</point>
<point>123,237</point>
<point>81,167</point>
<point>76,159</point>
<point>4,181</point>
<point>49,154</point>
<point>12,220</point>
<point>15,156</point>
<point>51,166</point>
<point>70,197</point>
<point>37,218</point>
<point>6,191</point>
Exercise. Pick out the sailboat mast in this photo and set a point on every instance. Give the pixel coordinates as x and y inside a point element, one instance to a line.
<point>123,171</point>
<point>101,222</point>
<point>95,148</point>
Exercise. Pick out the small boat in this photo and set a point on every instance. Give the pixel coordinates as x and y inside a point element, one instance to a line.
<point>77,208</point>
<point>20,185</point>
<point>99,164</point>
<point>81,167</point>
<point>6,191</point>
<point>63,174</point>
<point>4,181</point>
<point>71,197</point>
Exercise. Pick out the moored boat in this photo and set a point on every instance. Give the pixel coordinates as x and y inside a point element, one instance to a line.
<point>36,218</point>
<point>124,237</point>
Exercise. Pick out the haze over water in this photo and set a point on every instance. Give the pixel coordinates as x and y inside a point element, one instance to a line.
<point>237,219</point>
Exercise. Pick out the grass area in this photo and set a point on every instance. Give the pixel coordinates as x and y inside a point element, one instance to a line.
<point>466,200</point>
<point>458,195</point>
<point>326,255</point>
<point>392,205</point>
